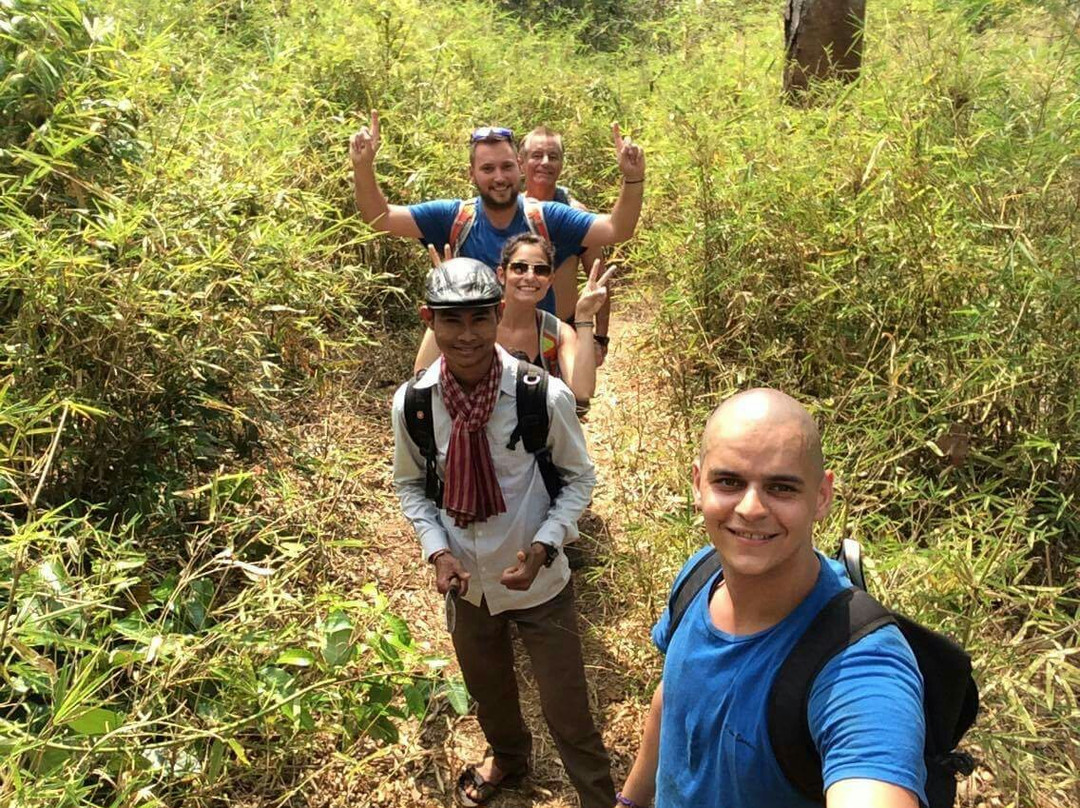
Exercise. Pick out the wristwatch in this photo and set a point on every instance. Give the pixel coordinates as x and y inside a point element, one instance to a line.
<point>551,552</point>
<point>601,339</point>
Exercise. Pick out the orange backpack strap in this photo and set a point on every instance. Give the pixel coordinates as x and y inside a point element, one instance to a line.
<point>463,222</point>
<point>534,217</point>
<point>549,342</point>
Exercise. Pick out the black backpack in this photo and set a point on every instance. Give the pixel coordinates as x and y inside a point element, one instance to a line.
<point>531,429</point>
<point>950,698</point>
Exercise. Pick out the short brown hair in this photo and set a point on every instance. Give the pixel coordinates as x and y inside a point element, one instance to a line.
<point>493,138</point>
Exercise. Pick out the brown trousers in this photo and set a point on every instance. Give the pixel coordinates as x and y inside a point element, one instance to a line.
<point>550,633</point>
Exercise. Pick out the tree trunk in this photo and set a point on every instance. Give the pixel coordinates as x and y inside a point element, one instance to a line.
<point>823,40</point>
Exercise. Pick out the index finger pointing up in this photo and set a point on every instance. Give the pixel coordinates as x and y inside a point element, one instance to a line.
<point>375,123</point>
<point>616,136</point>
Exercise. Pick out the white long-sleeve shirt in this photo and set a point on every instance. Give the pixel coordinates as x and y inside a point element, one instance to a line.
<point>487,548</point>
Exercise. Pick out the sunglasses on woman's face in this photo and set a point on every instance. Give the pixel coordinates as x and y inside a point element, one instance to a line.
<point>539,270</point>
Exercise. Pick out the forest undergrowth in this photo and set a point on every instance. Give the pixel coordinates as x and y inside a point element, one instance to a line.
<point>206,598</point>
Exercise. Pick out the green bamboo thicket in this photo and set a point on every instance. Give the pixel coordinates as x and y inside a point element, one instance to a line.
<point>181,269</point>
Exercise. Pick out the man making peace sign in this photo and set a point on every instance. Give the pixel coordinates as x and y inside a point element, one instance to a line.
<point>478,228</point>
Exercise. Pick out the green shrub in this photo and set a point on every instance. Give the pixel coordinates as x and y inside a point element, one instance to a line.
<point>180,264</point>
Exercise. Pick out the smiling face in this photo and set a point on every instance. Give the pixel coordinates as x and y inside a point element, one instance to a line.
<point>541,160</point>
<point>527,287</point>
<point>496,173</point>
<point>466,338</point>
<point>760,487</point>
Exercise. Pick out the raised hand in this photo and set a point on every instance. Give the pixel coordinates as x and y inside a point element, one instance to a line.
<point>594,293</point>
<point>364,145</point>
<point>630,155</point>
<point>433,254</point>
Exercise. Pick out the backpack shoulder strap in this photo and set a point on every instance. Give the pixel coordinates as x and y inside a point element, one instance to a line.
<point>688,588</point>
<point>844,620</point>
<point>421,428</point>
<point>463,222</point>
<point>533,423</point>
<point>534,217</point>
<point>849,553</point>
<point>549,342</point>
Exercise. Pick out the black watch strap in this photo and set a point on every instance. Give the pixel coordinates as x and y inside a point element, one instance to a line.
<point>551,552</point>
<point>602,340</point>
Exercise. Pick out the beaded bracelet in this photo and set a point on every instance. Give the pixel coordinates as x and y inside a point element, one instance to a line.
<point>629,803</point>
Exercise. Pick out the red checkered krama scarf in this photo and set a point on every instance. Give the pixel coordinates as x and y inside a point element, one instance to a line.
<point>471,491</point>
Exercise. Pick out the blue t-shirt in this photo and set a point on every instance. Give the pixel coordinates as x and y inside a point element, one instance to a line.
<point>865,710</point>
<point>567,227</point>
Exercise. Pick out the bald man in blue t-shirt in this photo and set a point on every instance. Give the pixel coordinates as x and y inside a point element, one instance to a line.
<point>760,485</point>
<point>500,209</point>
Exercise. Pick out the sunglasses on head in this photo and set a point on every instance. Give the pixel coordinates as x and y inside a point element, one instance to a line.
<point>492,133</point>
<point>539,270</point>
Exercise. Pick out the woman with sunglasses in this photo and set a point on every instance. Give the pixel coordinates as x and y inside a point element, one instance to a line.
<point>564,351</point>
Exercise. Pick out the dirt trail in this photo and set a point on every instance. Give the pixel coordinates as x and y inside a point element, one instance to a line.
<point>630,432</point>
<point>638,443</point>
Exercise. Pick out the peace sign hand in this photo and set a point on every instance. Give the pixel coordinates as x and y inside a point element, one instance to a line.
<point>594,293</point>
<point>630,155</point>
<point>433,254</point>
<point>365,144</point>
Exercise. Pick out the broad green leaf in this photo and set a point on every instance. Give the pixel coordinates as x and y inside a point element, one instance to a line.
<point>215,761</point>
<point>238,750</point>
<point>296,656</point>
<point>96,721</point>
<point>337,621</point>
<point>399,628</point>
<point>197,605</point>
<point>337,633</point>
<point>51,760</point>
<point>458,696</point>
<point>416,701</point>
<point>387,652</point>
<point>383,729</point>
<point>163,591</point>
<point>279,681</point>
<point>379,694</point>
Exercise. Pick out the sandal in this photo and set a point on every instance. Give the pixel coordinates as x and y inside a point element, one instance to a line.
<point>485,789</point>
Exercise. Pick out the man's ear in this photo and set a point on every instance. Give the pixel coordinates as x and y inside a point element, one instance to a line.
<point>824,496</point>
<point>427,315</point>
<point>697,485</point>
